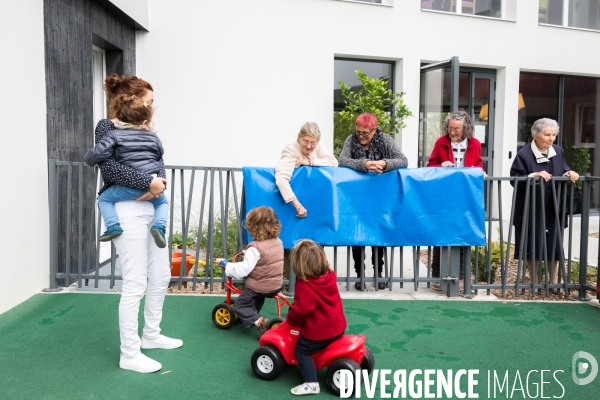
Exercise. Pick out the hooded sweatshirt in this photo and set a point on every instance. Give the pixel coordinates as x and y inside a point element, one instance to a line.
<point>318,310</point>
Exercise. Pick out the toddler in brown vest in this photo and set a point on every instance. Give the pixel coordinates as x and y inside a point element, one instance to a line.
<point>262,267</point>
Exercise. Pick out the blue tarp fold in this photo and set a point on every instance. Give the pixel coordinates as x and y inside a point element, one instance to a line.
<point>407,207</point>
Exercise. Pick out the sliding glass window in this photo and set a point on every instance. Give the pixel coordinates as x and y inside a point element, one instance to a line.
<point>345,70</point>
<point>573,13</point>
<point>574,102</point>
<point>483,8</point>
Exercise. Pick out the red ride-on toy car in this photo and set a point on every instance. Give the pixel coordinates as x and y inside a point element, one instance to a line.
<point>224,316</point>
<point>277,348</point>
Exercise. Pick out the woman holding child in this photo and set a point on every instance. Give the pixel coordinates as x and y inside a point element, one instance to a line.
<point>144,265</point>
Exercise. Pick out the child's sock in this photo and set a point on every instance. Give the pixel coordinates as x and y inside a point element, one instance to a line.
<point>158,233</point>
<point>112,232</point>
<point>306,388</point>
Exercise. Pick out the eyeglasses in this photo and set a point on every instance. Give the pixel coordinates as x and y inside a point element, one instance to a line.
<point>457,129</point>
<point>309,143</point>
<point>363,133</point>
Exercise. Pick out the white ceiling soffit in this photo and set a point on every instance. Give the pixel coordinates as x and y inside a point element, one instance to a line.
<point>133,12</point>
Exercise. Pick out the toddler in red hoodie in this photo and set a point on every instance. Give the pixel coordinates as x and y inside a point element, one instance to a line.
<point>317,311</point>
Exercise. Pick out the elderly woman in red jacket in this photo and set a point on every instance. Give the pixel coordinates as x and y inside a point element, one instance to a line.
<point>457,148</point>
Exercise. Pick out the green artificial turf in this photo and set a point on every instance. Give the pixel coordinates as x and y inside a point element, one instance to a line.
<point>66,346</point>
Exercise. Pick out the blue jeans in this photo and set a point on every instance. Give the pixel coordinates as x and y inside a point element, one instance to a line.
<point>116,193</point>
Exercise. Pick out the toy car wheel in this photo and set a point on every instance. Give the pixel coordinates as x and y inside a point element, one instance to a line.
<point>267,362</point>
<point>275,322</point>
<point>333,373</point>
<point>223,316</point>
<point>368,361</point>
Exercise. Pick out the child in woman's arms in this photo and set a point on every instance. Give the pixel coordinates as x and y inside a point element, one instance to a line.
<point>132,143</point>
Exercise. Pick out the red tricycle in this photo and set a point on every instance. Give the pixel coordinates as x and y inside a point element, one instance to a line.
<point>224,316</point>
<point>277,348</point>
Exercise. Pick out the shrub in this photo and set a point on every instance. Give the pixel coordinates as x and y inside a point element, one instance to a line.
<point>232,244</point>
<point>494,260</point>
<point>177,240</point>
<point>374,96</point>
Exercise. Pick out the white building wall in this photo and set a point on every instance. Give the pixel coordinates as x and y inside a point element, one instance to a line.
<point>24,267</point>
<point>235,80</point>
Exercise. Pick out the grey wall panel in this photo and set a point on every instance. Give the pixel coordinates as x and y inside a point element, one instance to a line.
<point>70,29</point>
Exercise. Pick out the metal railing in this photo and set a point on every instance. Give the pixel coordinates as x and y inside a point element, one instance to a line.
<point>205,218</point>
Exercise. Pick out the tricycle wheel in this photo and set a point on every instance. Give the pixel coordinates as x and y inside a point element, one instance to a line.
<point>333,373</point>
<point>267,362</point>
<point>275,322</point>
<point>368,361</point>
<point>223,316</point>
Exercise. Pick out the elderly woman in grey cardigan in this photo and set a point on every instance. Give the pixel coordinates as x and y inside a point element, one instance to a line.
<point>368,149</point>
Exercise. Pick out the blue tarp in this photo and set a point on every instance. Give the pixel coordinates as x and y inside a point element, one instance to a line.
<point>407,207</point>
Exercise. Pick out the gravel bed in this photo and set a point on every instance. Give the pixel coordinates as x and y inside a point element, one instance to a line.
<point>511,278</point>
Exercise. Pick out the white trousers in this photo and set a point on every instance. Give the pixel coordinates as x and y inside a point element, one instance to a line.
<point>145,268</point>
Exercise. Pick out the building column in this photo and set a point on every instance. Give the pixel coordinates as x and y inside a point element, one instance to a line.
<point>408,72</point>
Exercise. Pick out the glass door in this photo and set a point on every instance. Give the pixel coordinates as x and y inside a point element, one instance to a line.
<point>446,87</point>
<point>482,109</point>
<point>439,95</point>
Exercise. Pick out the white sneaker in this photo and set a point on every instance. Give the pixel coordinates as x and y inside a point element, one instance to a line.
<point>140,363</point>
<point>306,388</point>
<point>162,342</point>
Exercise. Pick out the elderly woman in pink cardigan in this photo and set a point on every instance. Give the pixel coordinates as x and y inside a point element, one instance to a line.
<point>306,150</point>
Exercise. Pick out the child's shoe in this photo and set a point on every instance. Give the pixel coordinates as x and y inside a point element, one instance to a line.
<point>306,388</point>
<point>158,233</point>
<point>112,232</point>
<point>262,326</point>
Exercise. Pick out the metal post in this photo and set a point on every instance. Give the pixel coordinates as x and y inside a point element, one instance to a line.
<point>467,272</point>
<point>53,206</point>
<point>452,287</point>
<point>454,83</point>
<point>583,246</point>
<point>292,281</point>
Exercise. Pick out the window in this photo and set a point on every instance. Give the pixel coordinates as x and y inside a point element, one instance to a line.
<point>384,2</point>
<point>98,74</point>
<point>482,8</point>
<point>540,100</point>
<point>574,102</point>
<point>344,70</point>
<point>573,13</point>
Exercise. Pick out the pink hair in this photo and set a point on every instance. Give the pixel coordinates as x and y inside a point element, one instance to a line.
<point>366,120</point>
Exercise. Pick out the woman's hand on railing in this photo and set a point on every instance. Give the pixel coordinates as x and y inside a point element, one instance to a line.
<point>303,161</point>
<point>573,176</point>
<point>543,174</point>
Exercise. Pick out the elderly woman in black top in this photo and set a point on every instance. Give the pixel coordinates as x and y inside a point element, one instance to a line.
<point>541,158</point>
<point>369,149</point>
